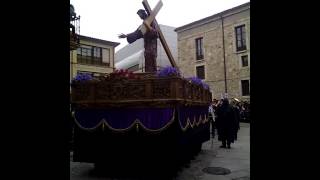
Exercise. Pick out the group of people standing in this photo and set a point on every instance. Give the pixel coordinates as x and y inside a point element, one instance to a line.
<point>225,117</point>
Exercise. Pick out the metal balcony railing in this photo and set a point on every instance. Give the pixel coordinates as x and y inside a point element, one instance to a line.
<point>74,33</point>
<point>75,22</point>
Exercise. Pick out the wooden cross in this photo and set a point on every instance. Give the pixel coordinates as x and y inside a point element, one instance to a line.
<point>146,26</point>
<point>151,17</point>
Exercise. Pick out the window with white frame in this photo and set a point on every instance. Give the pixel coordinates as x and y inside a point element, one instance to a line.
<point>90,55</point>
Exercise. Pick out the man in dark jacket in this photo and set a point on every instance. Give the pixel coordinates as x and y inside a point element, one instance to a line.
<point>227,124</point>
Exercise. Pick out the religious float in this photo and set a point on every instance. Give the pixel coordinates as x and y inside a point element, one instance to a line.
<point>153,118</point>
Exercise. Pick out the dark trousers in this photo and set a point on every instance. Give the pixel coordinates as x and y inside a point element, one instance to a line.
<point>226,142</point>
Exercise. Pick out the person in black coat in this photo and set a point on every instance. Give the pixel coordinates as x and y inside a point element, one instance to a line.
<point>236,109</point>
<point>227,124</point>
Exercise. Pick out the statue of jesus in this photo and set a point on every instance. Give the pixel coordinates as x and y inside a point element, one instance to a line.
<point>150,42</point>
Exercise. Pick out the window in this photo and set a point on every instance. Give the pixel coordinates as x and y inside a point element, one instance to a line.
<point>97,52</point>
<point>241,38</point>
<point>200,72</point>
<point>244,61</point>
<point>199,48</point>
<point>90,55</point>
<point>245,87</point>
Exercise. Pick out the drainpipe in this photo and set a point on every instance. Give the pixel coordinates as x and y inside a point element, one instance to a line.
<point>224,58</point>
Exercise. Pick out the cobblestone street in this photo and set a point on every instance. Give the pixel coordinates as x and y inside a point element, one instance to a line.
<point>236,159</point>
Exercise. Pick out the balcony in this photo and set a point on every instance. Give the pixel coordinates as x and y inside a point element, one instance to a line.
<point>89,60</point>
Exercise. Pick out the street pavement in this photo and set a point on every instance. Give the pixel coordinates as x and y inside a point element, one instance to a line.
<point>236,159</point>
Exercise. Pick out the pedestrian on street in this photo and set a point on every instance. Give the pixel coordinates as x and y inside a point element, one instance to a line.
<point>226,123</point>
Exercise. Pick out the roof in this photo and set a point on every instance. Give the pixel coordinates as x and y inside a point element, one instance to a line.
<point>218,15</point>
<point>110,43</point>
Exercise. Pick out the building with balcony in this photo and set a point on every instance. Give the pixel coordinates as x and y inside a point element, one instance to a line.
<point>93,56</point>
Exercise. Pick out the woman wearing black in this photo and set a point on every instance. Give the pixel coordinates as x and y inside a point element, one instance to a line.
<point>227,124</point>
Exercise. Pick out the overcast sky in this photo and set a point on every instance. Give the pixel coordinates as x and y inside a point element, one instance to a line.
<point>105,19</point>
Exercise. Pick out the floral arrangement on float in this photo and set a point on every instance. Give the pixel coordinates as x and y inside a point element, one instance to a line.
<point>198,81</point>
<point>82,77</point>
<point>120,74</point>
<point>169,71</point>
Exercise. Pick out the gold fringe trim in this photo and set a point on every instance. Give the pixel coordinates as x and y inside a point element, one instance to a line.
<point>194,123</point>
<point>161,129</point>
<point>135,124</point>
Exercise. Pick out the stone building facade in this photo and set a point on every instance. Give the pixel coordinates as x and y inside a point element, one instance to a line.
<point>217,50</point>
